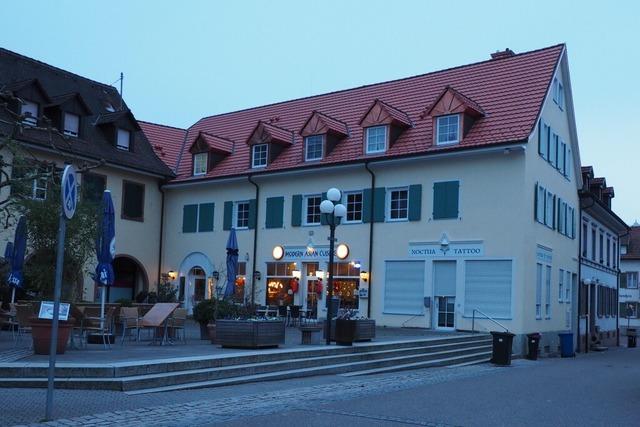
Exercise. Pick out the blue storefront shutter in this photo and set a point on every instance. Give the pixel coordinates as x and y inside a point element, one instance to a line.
<point>274,213</point>
<point>189,218</point>
<point>415,202</point>
<point>205,217</point>
<point>296,210</point>
<point>228,215</point>
<point>253,213</point>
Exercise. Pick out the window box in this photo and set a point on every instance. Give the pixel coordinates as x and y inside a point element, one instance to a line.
<point>250,333</point>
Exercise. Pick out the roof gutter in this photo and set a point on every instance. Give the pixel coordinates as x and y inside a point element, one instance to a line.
<point>446,153</point>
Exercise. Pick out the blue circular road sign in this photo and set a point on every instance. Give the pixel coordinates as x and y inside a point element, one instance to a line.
<point>69,191</point>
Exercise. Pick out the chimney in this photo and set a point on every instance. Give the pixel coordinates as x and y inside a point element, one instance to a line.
<point>501,54</point>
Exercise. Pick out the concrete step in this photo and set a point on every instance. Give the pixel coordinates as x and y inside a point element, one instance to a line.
<point>308,372</point>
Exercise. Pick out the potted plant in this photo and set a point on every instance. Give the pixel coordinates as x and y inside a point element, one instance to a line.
<point>204,313</point>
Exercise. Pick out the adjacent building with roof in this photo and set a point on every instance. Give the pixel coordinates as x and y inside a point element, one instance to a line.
<point>461,188</point>
<point>629,276</point>
<point>90,125</point>
<point>601,231</point>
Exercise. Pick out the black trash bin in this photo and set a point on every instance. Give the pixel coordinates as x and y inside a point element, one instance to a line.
<point>533,343</point>
<point>502,344</point>
<point>631,338</point>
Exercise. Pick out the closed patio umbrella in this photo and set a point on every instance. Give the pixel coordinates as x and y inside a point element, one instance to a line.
<point>232,263</point>
<point>19,247</point>
<point>105,249</point>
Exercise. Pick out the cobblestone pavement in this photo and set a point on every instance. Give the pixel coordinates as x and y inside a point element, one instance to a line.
<point>211,411</point>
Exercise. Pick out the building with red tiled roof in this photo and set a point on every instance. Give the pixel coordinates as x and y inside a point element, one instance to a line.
<point>460,192</point>
<point>629,297</point>
<point>166,141</point>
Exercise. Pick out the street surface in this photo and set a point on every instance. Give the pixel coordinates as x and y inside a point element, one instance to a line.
<point>591,390</point>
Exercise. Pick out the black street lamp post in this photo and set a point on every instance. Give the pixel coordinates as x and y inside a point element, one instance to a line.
<point>334,210</point>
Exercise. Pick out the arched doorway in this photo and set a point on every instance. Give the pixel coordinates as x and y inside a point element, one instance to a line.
<point>194,282</point>
<point>130,279</point>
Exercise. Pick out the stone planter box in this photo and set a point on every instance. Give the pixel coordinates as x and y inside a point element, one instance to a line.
<point>250,333</point>
<point>41,334</point>
<point>365,330</point>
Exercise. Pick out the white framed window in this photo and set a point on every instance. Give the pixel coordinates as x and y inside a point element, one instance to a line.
<point>30,111</point>
<point>553,150</point>
<point>259,155</point>
<point>562,154</point>
<point>124,139</point>
<point>313,147</point>
<point>539,291</point>
<point>448,129</point>
<point>631,279</point>
<point>354,206</point>
<point>549,209</point>
<point>540,200</point>
<point>241,215</point>
<point>547,301</point>
<point>200,163</point>
<point>71,124</point>
<point>312,209</point>
<point>39,188</point>
<point>398,204</point>
<point>376,139</point>
<point>567,288</point>
<point>561,286</point>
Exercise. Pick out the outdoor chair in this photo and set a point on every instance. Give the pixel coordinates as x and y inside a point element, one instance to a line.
<point>178,322</point>
<point>105,330</point>
<point>130,320</point>
<point>294,315</point>
<point>282,312</point>
<point>24,312</point>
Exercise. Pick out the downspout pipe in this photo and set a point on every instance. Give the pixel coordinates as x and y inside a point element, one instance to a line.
<point>371,205</point>
<point>255,242</point>
<point>160,246</point>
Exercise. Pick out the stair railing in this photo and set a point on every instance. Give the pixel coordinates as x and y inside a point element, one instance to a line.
<point>486,316</point>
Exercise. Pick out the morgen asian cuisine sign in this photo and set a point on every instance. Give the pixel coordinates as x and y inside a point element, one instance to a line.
<point>318,252</point>
<point>450,250</point>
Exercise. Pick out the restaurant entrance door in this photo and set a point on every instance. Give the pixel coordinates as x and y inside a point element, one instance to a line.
<point>312,287</point>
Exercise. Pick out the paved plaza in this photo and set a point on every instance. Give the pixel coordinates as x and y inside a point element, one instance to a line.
<point>548,392</point>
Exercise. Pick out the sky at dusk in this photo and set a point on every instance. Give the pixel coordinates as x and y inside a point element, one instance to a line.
<point>184,60</point>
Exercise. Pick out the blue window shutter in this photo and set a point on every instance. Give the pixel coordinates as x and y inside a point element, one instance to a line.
<point>253,211</point>
<point>296,210</point>
<point>415,202</point>
<point>535,203</point>
<point>189,218</point>
<point>205,218</point>
<point>366,205</point>
<point>274,213</point>
<point>228,215</point>
<point>540,138</point>
<point>379,194</point>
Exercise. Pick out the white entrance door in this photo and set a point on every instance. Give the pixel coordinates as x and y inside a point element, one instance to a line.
<point>444,294</point>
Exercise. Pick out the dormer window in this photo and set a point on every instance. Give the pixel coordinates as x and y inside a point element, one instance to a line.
<point>123,141</point>
<point>313,147</point>
<point>29,110</point>
<point>376,139</point>
<point>71,124</point>
<point>259,156</point>
<point>558,93</point>
<point>200,163</point>
<point>448,129</point>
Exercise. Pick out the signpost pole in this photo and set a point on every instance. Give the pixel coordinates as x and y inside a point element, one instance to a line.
<point>56,314</point>
<point>69,195</point>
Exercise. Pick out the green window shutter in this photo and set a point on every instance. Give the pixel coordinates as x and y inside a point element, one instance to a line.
<point>378,204</point>
<point>415,202</point>
<point>205,218</point>
<point>275,210</point>
<point>445,199</point>
<point>228,215</point>
<point>253,211</point>
<point>623,280</point>
<point>296,210</point>
<point>189,218</point>
<point>366,205</point>
<point>324,220</point>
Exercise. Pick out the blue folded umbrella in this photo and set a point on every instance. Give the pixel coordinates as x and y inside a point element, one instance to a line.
<point>232,263</point>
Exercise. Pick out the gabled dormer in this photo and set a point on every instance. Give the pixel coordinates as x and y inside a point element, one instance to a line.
<point>207,150</point>
<point>383,124</point>
<point>119,128</point>
<point>321,134</point>
<point>453,116</point>
<point>32,99</point>
<point>267,141</point>
<point>66,112</point>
